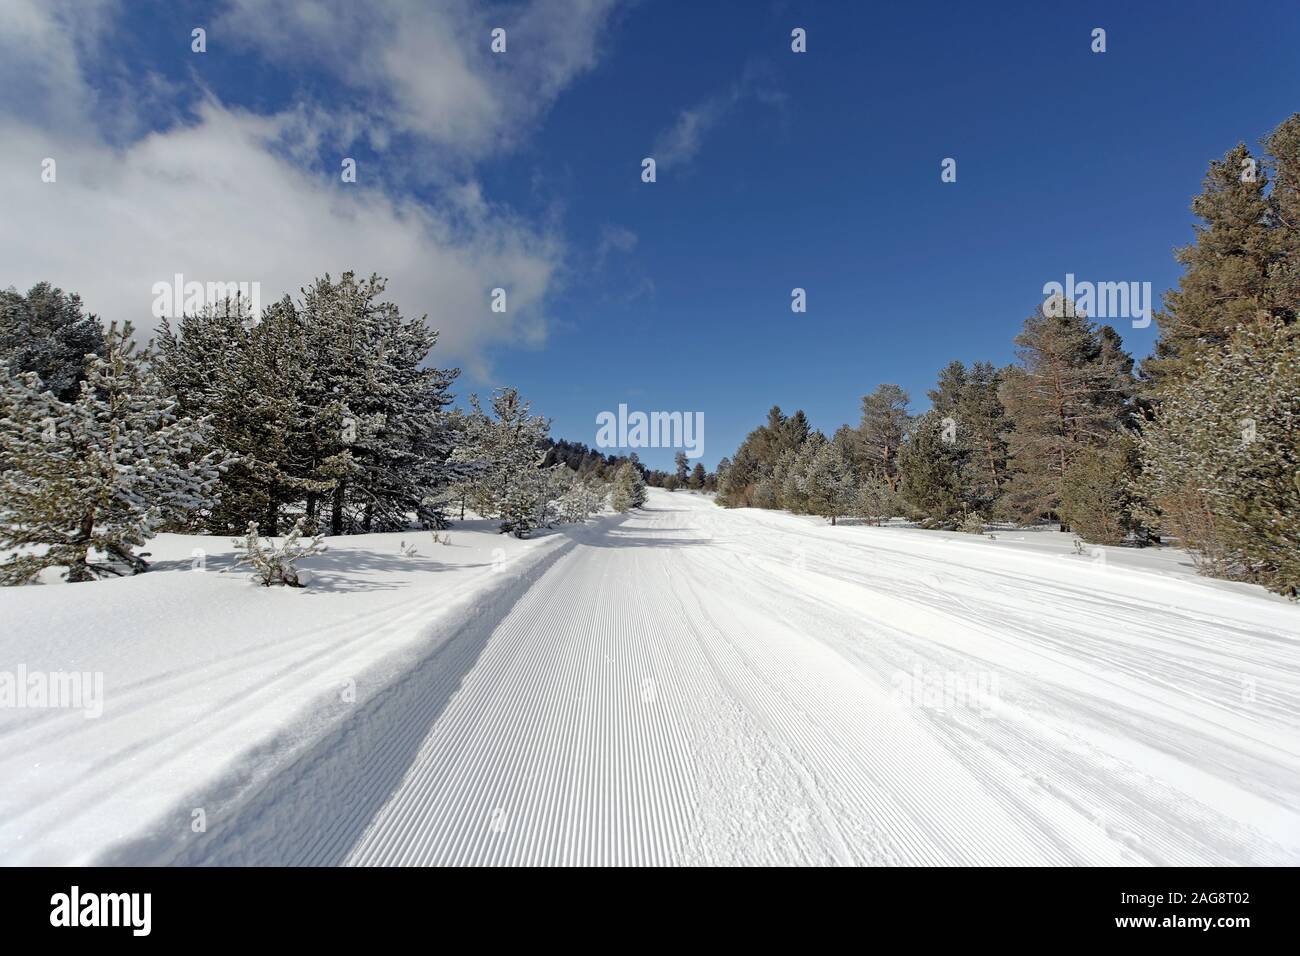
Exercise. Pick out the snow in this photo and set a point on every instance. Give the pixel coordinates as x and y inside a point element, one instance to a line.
<point>212,684</point>
<point>685,684</point>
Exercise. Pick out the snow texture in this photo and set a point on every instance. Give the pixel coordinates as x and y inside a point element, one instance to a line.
<point>682,684</point>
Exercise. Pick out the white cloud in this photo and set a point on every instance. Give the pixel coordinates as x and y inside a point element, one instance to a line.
<point>216,202</point>
<point>614,238</point>
<point>42,46</point>
<point>426,67</point>
<point>681,142</point>
<point>230,195</point>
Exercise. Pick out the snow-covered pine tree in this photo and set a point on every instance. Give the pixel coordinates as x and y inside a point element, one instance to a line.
<point>827,483</point>
<point>83,483</point>
<point>595,494</point>
<point>722,481</point>
<point>849,441</point>
<point>553,481</point>
<point>1221,459</point>
<point>379,433</point>
<point>195,355</point>
<point>874,501</point>
<point>264,419</point>
<point>582,497</point>
<point>629,488</point>
<point>639,493</point>
<point>788,473</point>
<point>47,332</point>
<point>468,461</point>
<point>742,471</point>
<point>505,451</point>
<point>621,490</point>
<point>248,374</point>
<point>569,504</point>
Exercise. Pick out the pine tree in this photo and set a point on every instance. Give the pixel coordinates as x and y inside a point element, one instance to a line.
<point>629,488</point>
<point>849,442</point>
<point>698,477</point>
<point>929,469</point>
<point>722,478</point>
<point>85,482</point>
<point>1221,456</point>
<point>1225,282</point>
<point>750,480</point>
<point>505,451</point>
<point>1282,165</point>
<point>980,432</point>
<point>1071,389</point>
<point>874,501</point>
<point>680,466</point>
<point>789,476</point>
<point>1096,495</point>
<point>883,428</point>
<point>381,438</point>
<point>827,484</point>
<point>248,375</point>
<point>582,497</point>
<point>946,399</point>
<point>47,333</point>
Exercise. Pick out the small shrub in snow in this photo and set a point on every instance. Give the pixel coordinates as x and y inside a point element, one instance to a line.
<point>275,564</point>
<point>971,524</point>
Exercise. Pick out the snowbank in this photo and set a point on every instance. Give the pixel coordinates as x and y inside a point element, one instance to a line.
<point>212,686</point>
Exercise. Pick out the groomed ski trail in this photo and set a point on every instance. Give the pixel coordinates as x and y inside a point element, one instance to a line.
<point>691,685</point>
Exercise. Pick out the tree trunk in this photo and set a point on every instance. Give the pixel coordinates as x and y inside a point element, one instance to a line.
<point>272,518</point>
<point>993,466</point>
<point>336,512</point>
<point>79,570</point>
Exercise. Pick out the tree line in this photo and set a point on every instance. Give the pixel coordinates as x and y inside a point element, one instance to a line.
<point>1200,444</point>
<point>322,413</point>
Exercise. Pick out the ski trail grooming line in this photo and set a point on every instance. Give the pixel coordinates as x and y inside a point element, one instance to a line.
<point>306,805</point>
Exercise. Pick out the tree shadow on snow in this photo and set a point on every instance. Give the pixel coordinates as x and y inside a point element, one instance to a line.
<point>608,532</point>
<point>335,571</point>
<point>616,539</point>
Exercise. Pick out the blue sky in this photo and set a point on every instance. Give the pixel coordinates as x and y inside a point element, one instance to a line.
<point>776,170</point>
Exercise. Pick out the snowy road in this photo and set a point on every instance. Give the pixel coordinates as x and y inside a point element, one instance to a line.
<point>692,685</point>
